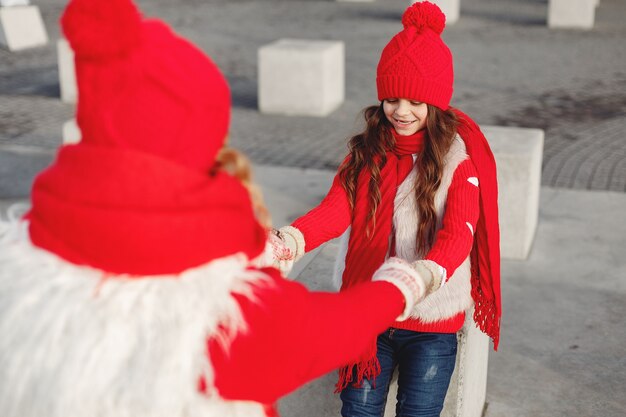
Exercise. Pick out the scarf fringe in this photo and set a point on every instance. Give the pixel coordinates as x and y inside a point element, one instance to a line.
<point>486,314</point>
<point>368,369</point>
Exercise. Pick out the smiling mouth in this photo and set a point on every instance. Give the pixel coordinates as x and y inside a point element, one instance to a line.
<point>404,123</point>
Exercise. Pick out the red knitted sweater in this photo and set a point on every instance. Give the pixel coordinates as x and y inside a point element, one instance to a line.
<point>451,247</point>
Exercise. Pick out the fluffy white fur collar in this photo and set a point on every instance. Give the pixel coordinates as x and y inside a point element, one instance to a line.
<point>76,343</point>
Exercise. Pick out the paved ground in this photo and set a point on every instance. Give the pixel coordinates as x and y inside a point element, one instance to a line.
<point>510,70</point>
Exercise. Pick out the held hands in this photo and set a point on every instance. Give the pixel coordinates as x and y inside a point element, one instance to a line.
<point>287,247</point>
<point>283,251</point>
<point>415,281</point>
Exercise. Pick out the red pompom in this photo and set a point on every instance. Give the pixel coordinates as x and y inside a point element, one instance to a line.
<point>101,29</point>
<point>423,15</point>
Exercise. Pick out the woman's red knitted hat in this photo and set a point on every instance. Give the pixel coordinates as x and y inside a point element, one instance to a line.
<point>416,64</point>
<point>144,88</point>
<point>139,194</point>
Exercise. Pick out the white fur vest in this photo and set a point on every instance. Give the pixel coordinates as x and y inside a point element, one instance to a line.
<point>74,342</point>
<point>453,297</point>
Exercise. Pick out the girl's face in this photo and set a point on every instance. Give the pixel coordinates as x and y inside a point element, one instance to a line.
<point>406,116</point>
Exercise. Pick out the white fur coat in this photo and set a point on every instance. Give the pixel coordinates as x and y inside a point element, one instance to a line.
<point>75,342</point>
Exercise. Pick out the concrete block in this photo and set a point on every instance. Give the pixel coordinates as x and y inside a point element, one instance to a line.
<point>572,13</point>
<point>21,27</point>
<point>71,132</point>
<point>301,77</point>
<point>67,73</point>
<point>8,3</point>
<point>518,154</point>
<point>451,8</point>
<point>468,385</point>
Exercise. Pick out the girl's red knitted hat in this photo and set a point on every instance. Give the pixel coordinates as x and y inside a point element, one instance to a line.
<point>138,195</point>
<point>416,64</point>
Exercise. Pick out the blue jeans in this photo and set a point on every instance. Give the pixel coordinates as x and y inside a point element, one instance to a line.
<point>425,363</point>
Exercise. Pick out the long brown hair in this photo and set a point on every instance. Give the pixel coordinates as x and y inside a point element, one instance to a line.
<point>367,150</point>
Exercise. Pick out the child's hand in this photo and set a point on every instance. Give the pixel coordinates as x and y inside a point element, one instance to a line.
<point>283,256</point>
<point>414,283</point>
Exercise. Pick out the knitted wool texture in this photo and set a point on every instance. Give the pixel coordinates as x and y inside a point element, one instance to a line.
<point>366,252</point>
<point>416,64</point>
<point>142,87</point>
<point>137,195</point>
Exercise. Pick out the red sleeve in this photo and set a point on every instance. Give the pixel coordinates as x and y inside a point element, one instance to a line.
<point>328,220</point>
<point>454,240</point>
<point>295,335</point>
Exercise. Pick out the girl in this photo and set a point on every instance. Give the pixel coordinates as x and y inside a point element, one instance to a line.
<point>419,183</point>
<point>128,289</point>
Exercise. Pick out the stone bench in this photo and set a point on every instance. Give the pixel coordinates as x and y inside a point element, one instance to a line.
<point>301,77</point>
<point>21,26</point>
<point>451,8</point>
<point>518,153</point>
<point>67,72</point>
<point>572,13</point>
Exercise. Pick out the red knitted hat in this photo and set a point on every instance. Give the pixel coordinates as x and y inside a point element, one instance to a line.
<point>138,80</point>
<point>138,194</point>
<point>416,63</point>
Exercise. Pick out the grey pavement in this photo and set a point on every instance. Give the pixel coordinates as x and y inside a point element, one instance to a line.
<point>510,70</point>
<point>563,345</point>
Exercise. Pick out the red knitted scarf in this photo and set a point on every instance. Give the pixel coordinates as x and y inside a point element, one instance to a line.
<point>485,253</point>
<point>366,253</point>
<point>127,212</point>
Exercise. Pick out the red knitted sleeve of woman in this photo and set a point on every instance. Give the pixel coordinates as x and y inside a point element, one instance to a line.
<point>293,335</point>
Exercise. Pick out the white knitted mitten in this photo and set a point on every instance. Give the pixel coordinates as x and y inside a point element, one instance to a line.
<point>413,283</point>
<point>287,247</point>
<point>294,240</point>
